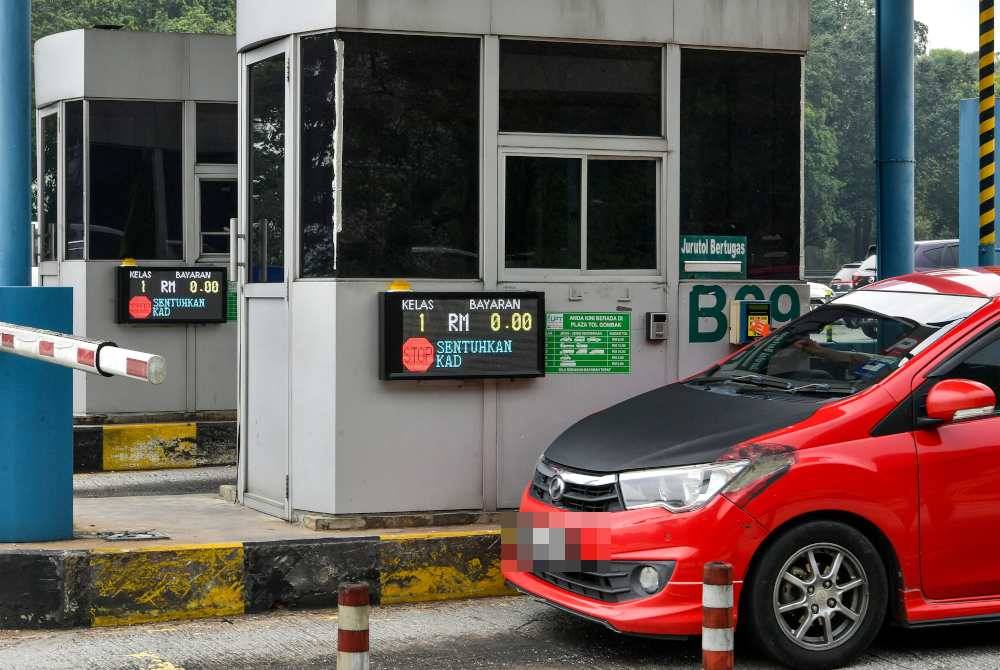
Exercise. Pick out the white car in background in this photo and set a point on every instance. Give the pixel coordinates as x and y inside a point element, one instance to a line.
<point>819,294</point>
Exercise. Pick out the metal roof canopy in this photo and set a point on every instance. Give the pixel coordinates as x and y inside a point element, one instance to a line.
<point>774,25</point>
<point>126,65</point>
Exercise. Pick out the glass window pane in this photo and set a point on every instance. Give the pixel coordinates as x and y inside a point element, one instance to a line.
<point>73,204</point>
<point>621,215</point>
<point>135,180</point>
<point>267,170</point>
<point>216,129</point>
<point>542,228</point>
<point>553,87</point>
<point>740,154</point>
<point>48,187</point>
<point>218,206</point>
<point>316,173</point>
<point>411,159</point>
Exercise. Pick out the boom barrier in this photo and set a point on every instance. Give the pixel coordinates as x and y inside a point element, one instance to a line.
<point>94,356</point>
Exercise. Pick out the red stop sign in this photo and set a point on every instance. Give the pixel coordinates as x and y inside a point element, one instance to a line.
<point>140,307</point>
<point>418,354</point>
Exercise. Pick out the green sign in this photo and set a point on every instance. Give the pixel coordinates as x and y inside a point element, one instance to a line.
<point>597,343</point>
<point>232,302</point>
<point>713,257</point>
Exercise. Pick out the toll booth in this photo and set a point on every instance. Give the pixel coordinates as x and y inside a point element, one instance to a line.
<point>136,138</point>
<point>466,224</point>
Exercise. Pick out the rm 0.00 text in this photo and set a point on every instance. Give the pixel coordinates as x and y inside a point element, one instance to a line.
<point>460,323</point>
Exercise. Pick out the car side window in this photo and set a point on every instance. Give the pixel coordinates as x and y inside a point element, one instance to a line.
<point>931,258</point>
<point>950,258</point>
<point>981,366</point>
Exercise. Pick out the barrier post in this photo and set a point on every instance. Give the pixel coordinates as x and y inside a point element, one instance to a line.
<point>718,621</point>
<point>352,627</point>
<point>36,425</point>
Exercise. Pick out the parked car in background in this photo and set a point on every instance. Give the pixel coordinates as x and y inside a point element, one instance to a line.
<point>841,282</point>
<point>819,294</point>
<point>927,255</point>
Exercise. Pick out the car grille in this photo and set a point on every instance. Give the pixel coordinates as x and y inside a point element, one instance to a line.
<point>583,493</point>
<point>610,582</point>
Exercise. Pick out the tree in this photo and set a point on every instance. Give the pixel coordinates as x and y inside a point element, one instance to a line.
<point>189,16</point>
<point>840,133</point>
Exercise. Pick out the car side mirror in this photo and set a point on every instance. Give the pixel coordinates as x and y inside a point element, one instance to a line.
<point>958,399</point>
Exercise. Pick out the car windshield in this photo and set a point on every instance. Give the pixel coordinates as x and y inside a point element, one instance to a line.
<point>846,345</point>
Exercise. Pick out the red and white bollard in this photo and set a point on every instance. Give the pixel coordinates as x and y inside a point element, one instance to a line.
<point>717,617</point>
<point>352,627</point>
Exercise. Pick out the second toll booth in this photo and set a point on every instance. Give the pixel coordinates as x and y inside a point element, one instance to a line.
<point>467,224</point>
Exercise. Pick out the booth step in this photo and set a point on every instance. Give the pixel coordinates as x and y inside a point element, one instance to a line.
<point>113,447</point>
<point>112,586</point>
<point>323,522</point>
<point>153,482</point>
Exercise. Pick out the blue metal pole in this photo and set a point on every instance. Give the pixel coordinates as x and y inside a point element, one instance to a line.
<point>894,137</point>
<point>15,143</point>
<point>968,183</point>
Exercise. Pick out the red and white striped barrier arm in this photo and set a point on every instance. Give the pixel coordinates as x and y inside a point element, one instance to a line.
<point>352,627</point>
<point>717,617</point>
<point>80,353</point>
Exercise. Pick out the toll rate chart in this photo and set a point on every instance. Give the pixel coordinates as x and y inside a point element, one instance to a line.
<point>462,336</point>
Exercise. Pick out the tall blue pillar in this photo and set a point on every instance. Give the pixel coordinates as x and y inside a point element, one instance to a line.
<point>894,137</point>
<point>968,183</point>
<point>36,412</point>
<point>15,143</point>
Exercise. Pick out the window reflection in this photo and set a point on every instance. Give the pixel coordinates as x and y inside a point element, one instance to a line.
<point>621,214</point>
<point>135,180</point>
<point>216,133</point>
<point>596,89</point>
<point>740,171</point>
<point>267,170</point>
<point>73,206</point>
<point>411,156</point>
<point>48,187</point>
<point>543,212</point>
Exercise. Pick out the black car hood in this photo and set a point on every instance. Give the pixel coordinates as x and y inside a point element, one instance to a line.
<point>671,426</point>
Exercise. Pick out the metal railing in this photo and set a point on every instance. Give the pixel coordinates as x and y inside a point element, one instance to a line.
<point>94,356</point>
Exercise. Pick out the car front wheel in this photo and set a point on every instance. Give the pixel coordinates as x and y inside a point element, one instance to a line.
<point>818,597</point>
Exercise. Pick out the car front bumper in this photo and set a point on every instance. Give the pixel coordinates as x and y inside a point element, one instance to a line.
<point>719,532</point>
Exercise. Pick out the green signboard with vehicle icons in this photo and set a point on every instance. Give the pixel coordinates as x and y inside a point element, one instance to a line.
<point>597,343</point>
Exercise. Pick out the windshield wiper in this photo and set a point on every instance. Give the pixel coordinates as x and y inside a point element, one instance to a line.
<point>821,388</point>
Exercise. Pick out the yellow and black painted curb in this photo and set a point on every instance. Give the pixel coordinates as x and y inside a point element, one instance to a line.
<point>121,586</point>
<point>153,446</point>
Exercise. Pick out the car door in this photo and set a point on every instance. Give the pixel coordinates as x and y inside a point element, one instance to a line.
<point>959,485</point>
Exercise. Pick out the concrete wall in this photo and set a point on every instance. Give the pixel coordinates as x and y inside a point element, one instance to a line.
<point>129,65</point>
<point>760,24</point>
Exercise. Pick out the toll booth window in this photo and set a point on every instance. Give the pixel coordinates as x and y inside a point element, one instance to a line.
<point>740,154</point>
<point>216,206</point>
<point>48,192</point>
<point>564,88</point>
<point>135,180</point>
<point>552,213</point>
<point>216,133</point>
<point>267,170</point>
<point>410,157</point>
<point>73,182</point>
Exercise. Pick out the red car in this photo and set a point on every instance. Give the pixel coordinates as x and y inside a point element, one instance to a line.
<point>847,466</point>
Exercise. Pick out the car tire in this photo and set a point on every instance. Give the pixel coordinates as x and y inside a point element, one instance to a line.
<point>786,594</point>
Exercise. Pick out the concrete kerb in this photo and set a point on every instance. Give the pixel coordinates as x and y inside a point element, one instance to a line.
<point>113,447</point>
<point>110,587</point>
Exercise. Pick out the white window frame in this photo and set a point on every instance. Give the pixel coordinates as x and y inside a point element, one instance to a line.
<point>216,173</point>
<point>581,273</point>
<point>586,147</point>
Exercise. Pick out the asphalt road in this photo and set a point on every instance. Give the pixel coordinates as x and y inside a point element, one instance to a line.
<point>494,633</point>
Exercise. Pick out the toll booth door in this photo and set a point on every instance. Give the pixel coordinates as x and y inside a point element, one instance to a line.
<point>264,378</point>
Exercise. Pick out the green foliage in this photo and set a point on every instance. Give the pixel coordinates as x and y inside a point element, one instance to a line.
<point>840,133</point>
<point>187,16</point>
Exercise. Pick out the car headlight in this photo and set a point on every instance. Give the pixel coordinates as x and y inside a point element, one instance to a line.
<point>678,489</point>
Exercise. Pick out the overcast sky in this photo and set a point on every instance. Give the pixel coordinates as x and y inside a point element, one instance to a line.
<point>952,24</point>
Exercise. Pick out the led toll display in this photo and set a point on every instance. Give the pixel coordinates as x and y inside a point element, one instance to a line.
<point>462,335</point>
<point>171,295</point>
